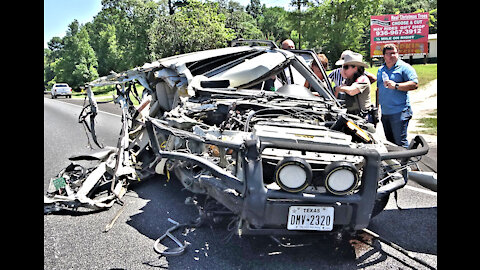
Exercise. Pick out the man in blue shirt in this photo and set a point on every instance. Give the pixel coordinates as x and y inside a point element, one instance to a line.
<point>394,79</point>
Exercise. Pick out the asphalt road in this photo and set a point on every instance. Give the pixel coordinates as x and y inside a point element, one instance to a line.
<point>78,241</point>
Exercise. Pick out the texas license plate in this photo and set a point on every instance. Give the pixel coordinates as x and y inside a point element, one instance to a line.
<point>316,218</point>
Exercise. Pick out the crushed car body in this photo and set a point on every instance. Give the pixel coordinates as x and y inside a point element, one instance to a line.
<point>237,125</point>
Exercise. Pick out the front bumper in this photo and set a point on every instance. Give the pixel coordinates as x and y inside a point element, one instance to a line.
<point>265,211</point>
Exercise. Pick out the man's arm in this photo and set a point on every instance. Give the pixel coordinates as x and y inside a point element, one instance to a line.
<point>403,86</point>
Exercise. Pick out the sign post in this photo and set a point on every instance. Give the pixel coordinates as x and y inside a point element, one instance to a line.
<point>408,31</point>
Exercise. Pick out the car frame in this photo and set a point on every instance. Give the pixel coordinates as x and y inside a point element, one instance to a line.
<point>202,121</point>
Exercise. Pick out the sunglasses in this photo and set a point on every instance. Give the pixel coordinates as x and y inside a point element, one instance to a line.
<point>348,66</point>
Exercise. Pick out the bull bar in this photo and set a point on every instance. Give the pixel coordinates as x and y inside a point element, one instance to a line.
<point>264,211</point>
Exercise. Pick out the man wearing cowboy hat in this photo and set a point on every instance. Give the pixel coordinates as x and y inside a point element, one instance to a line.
<point>392,95</point>
<point>356,85</point>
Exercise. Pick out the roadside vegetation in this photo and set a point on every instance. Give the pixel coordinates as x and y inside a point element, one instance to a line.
<point>128,33</point>
<point>429,124</point>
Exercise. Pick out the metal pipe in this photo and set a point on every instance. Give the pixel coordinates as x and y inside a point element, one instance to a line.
<point>410,152</point>
<point>425,179</point>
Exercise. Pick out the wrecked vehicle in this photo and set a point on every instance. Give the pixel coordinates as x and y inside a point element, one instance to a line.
<point>237,125</point>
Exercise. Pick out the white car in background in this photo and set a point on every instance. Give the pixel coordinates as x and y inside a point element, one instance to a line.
<point>61,89</point>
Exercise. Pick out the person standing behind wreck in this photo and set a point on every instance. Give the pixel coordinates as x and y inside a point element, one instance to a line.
<point>356,85</point>
<point>288,44</point>
<point>316,69</point>
<point>394,79</point>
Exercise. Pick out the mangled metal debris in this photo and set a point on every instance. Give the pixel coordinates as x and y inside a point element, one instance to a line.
<point>74,185</point>
<point>287,161</point>
<point>171,251</point>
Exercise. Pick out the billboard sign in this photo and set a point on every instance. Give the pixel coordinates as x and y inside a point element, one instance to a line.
<point>408,31</point>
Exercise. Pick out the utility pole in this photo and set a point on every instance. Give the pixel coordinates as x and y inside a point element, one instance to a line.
<point>299,3</point>
<point>299,25</point>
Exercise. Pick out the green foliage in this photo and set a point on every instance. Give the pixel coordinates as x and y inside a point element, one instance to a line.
<point>254,9</point>
<point>109,52</point>
<point>78,62</point>
<point>243,24</point>
<point>188,31</point>
<point>274,25</point>
<point>121,33</point>
<point>128,33</point>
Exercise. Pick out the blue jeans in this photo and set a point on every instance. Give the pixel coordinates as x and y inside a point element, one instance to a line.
<point>395,126</point>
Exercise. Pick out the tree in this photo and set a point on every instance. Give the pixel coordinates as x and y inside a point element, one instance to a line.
<point>274,25</point>
<point>241,22</point>
<point>108,52</point>
<point>48,73</point>
<point>254,9</point>
<point>186,31</point>
<point>296,17</point>
<point>78,63</point>
<point>55,45</point>
<point>132,20</point>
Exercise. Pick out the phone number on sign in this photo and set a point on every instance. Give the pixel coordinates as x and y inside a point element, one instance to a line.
<point>397,32</point>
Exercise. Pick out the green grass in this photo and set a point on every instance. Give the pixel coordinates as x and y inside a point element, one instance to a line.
<point>429,123</point>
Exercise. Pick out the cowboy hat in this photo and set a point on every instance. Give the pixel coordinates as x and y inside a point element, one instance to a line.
<point>355,59</point>
<point>340,61</point>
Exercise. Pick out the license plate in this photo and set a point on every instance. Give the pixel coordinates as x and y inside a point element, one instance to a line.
<point>316,218</point>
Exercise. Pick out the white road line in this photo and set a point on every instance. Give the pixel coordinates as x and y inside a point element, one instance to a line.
<point>98,110</point>
<point>422,190</point>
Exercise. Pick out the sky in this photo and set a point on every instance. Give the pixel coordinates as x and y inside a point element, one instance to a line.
<point>58,14</point>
